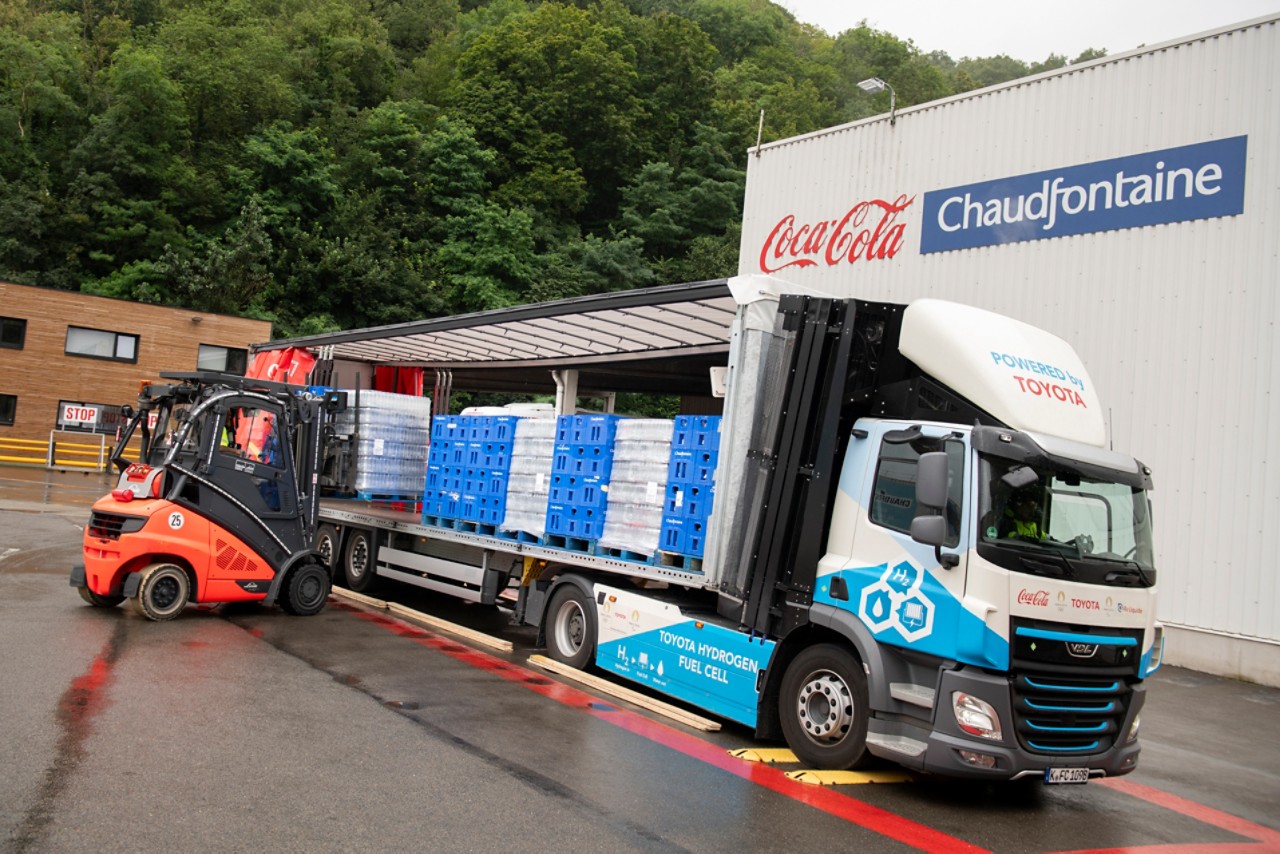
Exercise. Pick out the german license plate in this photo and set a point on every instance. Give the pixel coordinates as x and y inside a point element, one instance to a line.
<point>1056,776</point>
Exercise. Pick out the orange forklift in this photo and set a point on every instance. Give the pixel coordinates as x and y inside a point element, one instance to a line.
<point>220,504</point>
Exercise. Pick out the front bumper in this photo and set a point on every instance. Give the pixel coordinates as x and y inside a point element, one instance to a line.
<point>949,751</point>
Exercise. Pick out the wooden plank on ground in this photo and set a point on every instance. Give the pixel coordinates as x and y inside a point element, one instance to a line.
<point>452,628</point>
<point>633,697</point>
<point>344,593</point>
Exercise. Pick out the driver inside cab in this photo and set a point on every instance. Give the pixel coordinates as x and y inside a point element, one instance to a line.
<point>1022,515</point>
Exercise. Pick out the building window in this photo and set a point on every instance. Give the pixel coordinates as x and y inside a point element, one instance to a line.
<point>100,344</point>
<point>8,409</point>
<point>229,360</point>
<point>13,332</point>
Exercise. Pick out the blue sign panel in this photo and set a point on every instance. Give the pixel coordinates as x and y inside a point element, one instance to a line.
<point>1177,184</point>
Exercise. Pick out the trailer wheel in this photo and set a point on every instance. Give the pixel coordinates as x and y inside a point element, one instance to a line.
<point>327,546</point>
<point>824,705</point>
<point>163,591</point>
<point>358,560</point>
<point>571,627</point>
<point>306,590</point>
<point>97,600</point>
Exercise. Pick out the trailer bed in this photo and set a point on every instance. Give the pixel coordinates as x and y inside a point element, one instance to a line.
<point>681,571</point>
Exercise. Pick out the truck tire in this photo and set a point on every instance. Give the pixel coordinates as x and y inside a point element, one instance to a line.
<point>571,627</point>
<point>97,600</point>
<point>327,547</point>
<point>824,708</point>
<point>163,591</point>
<point>358,560</point>
<point>306,590</point>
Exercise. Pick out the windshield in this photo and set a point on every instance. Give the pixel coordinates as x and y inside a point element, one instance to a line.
<point>1063,513</point>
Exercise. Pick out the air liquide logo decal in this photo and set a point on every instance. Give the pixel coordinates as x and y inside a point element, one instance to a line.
<point>1172,185</point>
<point>868,231</point>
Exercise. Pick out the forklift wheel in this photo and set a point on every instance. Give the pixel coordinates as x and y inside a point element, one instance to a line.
<point>163,590</point>
<point>306,590</point>
<point>97,600</point>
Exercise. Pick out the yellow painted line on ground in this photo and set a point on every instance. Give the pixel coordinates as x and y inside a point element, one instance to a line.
<point>633,697</point>
<point>848,778</point>
<point>769,755</point>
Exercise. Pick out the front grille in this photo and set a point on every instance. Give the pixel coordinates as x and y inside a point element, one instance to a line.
<point>1065,715</point>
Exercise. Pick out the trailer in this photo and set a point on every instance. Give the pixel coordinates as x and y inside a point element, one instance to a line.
<point>860,589</point>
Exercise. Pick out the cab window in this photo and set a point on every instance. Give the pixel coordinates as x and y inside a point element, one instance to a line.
<point>893,495</point>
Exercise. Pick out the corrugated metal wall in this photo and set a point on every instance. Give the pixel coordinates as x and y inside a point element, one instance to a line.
<point>1177,323</point>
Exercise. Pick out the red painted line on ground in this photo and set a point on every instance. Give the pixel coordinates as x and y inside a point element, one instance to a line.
<point>872,818</point>
<point>1264,838</point>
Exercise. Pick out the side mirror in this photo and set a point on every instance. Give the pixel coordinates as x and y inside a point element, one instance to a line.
<point>929,530</point>
<point>932,473</point>
<point>931,480</point>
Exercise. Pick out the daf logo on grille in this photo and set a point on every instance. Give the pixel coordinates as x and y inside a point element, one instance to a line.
<point>1082,650</point>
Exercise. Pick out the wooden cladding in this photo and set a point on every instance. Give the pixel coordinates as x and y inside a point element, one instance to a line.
<point>40,373</point>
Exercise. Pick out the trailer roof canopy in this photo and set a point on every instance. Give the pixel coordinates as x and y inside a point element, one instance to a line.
<point>656,340</point>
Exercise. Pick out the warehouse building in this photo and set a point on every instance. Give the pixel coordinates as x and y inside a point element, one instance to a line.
<point>69,361</point>
<point>1128,205</point>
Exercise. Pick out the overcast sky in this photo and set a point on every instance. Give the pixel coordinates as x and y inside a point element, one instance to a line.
<point>1030,30</point>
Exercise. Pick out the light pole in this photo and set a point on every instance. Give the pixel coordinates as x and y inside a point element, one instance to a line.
<point>874,84</point>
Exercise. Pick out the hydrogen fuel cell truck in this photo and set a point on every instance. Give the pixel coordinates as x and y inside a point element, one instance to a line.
<point>921,549</point>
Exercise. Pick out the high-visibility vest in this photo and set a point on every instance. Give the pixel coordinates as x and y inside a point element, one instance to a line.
<point>1023,529</point>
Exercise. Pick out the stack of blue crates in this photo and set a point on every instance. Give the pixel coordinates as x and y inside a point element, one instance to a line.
<point>468,468</point>
<point>580,468</point>
<point>691,476</point>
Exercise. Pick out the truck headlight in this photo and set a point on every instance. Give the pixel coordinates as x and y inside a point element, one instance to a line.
<point>976,717</point>
<point>1133,729</point>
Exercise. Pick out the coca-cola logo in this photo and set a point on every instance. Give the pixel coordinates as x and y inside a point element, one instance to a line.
<point>868,232</point>
<point>1038,598</point>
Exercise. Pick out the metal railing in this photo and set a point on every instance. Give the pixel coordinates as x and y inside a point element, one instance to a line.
<point>63,451</point>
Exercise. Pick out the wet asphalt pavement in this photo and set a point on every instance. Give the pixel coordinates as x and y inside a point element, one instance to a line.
<point>240,728</point>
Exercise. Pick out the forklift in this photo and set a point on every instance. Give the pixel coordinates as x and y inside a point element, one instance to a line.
<point>220,503</point>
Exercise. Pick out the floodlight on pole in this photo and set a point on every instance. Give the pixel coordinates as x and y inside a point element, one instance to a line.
<point>874,84</point>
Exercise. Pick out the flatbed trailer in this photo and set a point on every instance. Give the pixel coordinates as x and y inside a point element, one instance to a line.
<point>859,595</point>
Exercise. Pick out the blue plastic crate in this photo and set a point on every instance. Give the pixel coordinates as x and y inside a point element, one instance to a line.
<point>586,429</point>
<point>489,509</point>
<point>683,536</point>
<point>574,520</point>
<point>582,460</point>
<point>577,490</point>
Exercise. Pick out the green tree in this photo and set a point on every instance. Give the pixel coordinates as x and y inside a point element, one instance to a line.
<point>134,183</point>
<point>552,92</point>
<point>230,274</point>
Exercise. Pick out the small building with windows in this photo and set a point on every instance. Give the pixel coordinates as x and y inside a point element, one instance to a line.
<point>69,361</point>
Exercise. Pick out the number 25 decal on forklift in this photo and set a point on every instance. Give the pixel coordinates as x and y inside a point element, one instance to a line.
<point>176,520</point>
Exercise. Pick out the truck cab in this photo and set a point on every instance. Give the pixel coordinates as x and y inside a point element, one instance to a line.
<point>1009,643</point>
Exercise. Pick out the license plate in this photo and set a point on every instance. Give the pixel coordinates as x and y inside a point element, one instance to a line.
<point>1056,776</point>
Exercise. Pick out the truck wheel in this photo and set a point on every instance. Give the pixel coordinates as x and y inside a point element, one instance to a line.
<point>358,560</point>
<point>571,627</point>
<point>824,708</point>
<point>306,590</point>
<point>327,546</point>
<point>97,600</point>
<point>163,591</point>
